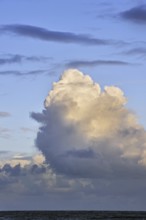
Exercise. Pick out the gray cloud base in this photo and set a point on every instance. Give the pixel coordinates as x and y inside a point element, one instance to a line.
<point>35,186</point>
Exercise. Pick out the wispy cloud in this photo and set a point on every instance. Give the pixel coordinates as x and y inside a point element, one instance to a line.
<point>27,130</point>
<point>21,157</point>
<point>136,14</point>
<point>25,73</point>
<point>49,35</point>
<point>139,51</point>
<point>4,132</point>
<point>4,114</point>
<point>93,63</point>
<point>4,152</point>
<point>17,58</point>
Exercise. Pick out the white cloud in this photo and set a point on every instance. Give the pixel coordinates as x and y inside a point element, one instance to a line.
<point>87,132</point>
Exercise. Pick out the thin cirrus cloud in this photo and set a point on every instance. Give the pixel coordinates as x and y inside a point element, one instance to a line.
<point>4,132</point>
<point>139,51</point>
<point>17,58</point>
<point>26,73</point>
<point>27,130</point>
<point>94,63</point>
<point>136,14</point>
<point>49,35</point>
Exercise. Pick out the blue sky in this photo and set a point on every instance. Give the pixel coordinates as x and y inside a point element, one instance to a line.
<point>39,40</point>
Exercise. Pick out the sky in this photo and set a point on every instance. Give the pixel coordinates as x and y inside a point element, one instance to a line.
<point>72,105</point>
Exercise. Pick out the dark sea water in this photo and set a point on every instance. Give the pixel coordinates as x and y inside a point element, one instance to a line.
<point>70,215</point>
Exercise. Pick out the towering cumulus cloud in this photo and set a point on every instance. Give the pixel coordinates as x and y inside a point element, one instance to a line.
<point>86,132</point>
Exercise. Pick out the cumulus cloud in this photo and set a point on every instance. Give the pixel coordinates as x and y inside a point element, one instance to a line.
<point>21,175</point>
<point>21,159</point>
<point>89,133</point>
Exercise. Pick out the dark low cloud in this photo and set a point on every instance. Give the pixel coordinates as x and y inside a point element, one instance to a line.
<point>17,58</point>
<point>93,63</point>
<point>14,171</point>
<point>17,170</point>
<point>4,114</point>
<point>81,153</point>
<point>49,35</point>
<point>33,177</point>
<point>34,185</point>
<point>136,14</point>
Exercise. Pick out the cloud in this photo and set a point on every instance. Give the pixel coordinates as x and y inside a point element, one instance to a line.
<point>4,114</point>
<point>4,155</point>
<point>27,130</point>
<point>136,14</point>
<point>49,35</point>
<point>139,51</point>
<point>17,170</point>
<point>3,152</point>
<point>26,73</point>
<point>24,179</point>
<point>4,132</point>
<point>94,63</point>
<point>89,133</point>
<point>94,153</point>
<point>17,58</point>
<point>32,172</point>
<point>22,159</point>
<point>34,185</point>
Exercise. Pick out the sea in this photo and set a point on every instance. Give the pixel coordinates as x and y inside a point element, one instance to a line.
<point>70,215</point>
